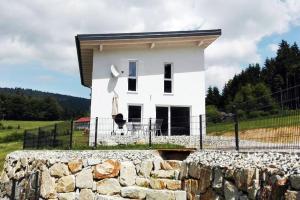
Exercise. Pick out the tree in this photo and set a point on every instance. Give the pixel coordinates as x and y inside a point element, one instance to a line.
<point>213,96</point>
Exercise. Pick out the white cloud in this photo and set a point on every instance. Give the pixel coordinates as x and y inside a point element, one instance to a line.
<point>273,47</point>
<point>43,31</point>
<point>219,74</point>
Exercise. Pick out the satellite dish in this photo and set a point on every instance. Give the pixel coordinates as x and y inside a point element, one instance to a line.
<point>114,71</point>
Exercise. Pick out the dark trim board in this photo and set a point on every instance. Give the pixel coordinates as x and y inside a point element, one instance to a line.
<point>142,35</point>
<point>79,60</point>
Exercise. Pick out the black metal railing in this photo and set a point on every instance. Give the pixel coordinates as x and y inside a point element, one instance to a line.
<point>58,135</point>
<point>267,122</point>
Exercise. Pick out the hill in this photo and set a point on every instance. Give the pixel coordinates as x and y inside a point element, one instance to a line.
<point>28,104</point>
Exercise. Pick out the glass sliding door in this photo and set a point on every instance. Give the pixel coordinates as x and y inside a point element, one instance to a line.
<point>163,113</point>
<point>180,121</point>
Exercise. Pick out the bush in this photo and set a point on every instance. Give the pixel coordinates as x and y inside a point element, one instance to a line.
<point>213,115</point>
<point>241,114</point>
<point>9,127</point>
<point>257,113</point>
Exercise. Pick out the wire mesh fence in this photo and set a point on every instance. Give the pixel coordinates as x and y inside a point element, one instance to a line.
<point>151,132</point>
<point>266,122</point>
<point>58,136</point>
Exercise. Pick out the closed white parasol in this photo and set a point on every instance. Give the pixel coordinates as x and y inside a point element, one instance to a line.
<point>114,110</point>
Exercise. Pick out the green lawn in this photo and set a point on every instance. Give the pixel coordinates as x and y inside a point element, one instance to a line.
<point>11,137</point>
<point>266,122</point>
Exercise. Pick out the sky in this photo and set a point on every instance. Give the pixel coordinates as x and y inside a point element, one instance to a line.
<point>38,48</point>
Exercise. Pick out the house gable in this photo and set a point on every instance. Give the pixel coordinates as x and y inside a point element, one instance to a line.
<point>88,43</point>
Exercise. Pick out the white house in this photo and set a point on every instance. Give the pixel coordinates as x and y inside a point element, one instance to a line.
<point>158,75</point>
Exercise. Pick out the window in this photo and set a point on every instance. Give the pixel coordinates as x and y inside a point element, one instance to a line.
<point>132,76</point>
<point>134,113</point>
<point>168,78</point>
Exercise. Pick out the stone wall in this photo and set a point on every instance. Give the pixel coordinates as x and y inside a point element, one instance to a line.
<point>231,175</point>
<point>144,175</point>
<point>89,175</point>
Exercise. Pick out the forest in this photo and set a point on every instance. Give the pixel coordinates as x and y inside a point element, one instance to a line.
<point>27,104</point>
<point>260,90</point>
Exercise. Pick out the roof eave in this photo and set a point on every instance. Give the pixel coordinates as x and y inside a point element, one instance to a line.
<point>79,61</point>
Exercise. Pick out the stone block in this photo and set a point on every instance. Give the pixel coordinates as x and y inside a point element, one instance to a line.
<point>230,191</point>
<point>180,195</point>
<point>66,196</point>
<point>134,192</point>
<point>47,189</point>
<point>75,165</point>
<point>86,194</point>
<point>143,182</point>
<point>160,194</point>
<point>145,168</point>
<point>59,170</point>
<point>110,186</point>
<point>175,164</point>
<point>158,184</point>
<point>65,184</point>
<point>127,173</point>
<point>107,169</point>
<point>163,174</point>
<point>84,179</point>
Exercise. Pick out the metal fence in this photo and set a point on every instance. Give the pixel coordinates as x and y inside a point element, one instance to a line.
<point>150,132</point>
<point>269,122</point>
<point>280,131</point>
<point>58,136</point>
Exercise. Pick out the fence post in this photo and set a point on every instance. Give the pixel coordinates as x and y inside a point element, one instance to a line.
<point>39,135</point>
<point>236,130</point>
<point>54,136</point>
<point>200,126</point>
<point>71,135</point>
<point>150,142</point>
<point>96,133</point>
<point>24,138</point>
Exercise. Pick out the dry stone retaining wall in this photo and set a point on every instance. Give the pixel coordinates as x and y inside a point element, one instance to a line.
<point>144,175</point>
<point>90,175</point>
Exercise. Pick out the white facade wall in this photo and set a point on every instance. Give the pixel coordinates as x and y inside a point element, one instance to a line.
<point>188,81</point>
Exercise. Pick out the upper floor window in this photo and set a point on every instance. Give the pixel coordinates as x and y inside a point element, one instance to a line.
<point>168,78</point>
<point>132,76</point>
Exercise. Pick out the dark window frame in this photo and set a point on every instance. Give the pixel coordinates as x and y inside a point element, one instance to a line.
<point>135,119</point>
<point>169,80</point>
<point>130,78</point>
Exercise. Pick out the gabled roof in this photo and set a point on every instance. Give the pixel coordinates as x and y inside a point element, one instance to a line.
<point>83,119</point>
<point>87,43</point>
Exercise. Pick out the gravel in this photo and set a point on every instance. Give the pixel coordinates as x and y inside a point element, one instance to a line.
<point>286,162</point>
<point>89,155</point>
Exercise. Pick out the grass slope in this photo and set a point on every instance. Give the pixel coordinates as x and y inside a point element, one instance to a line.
<point>267,122</point>
<point>11,137</point>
